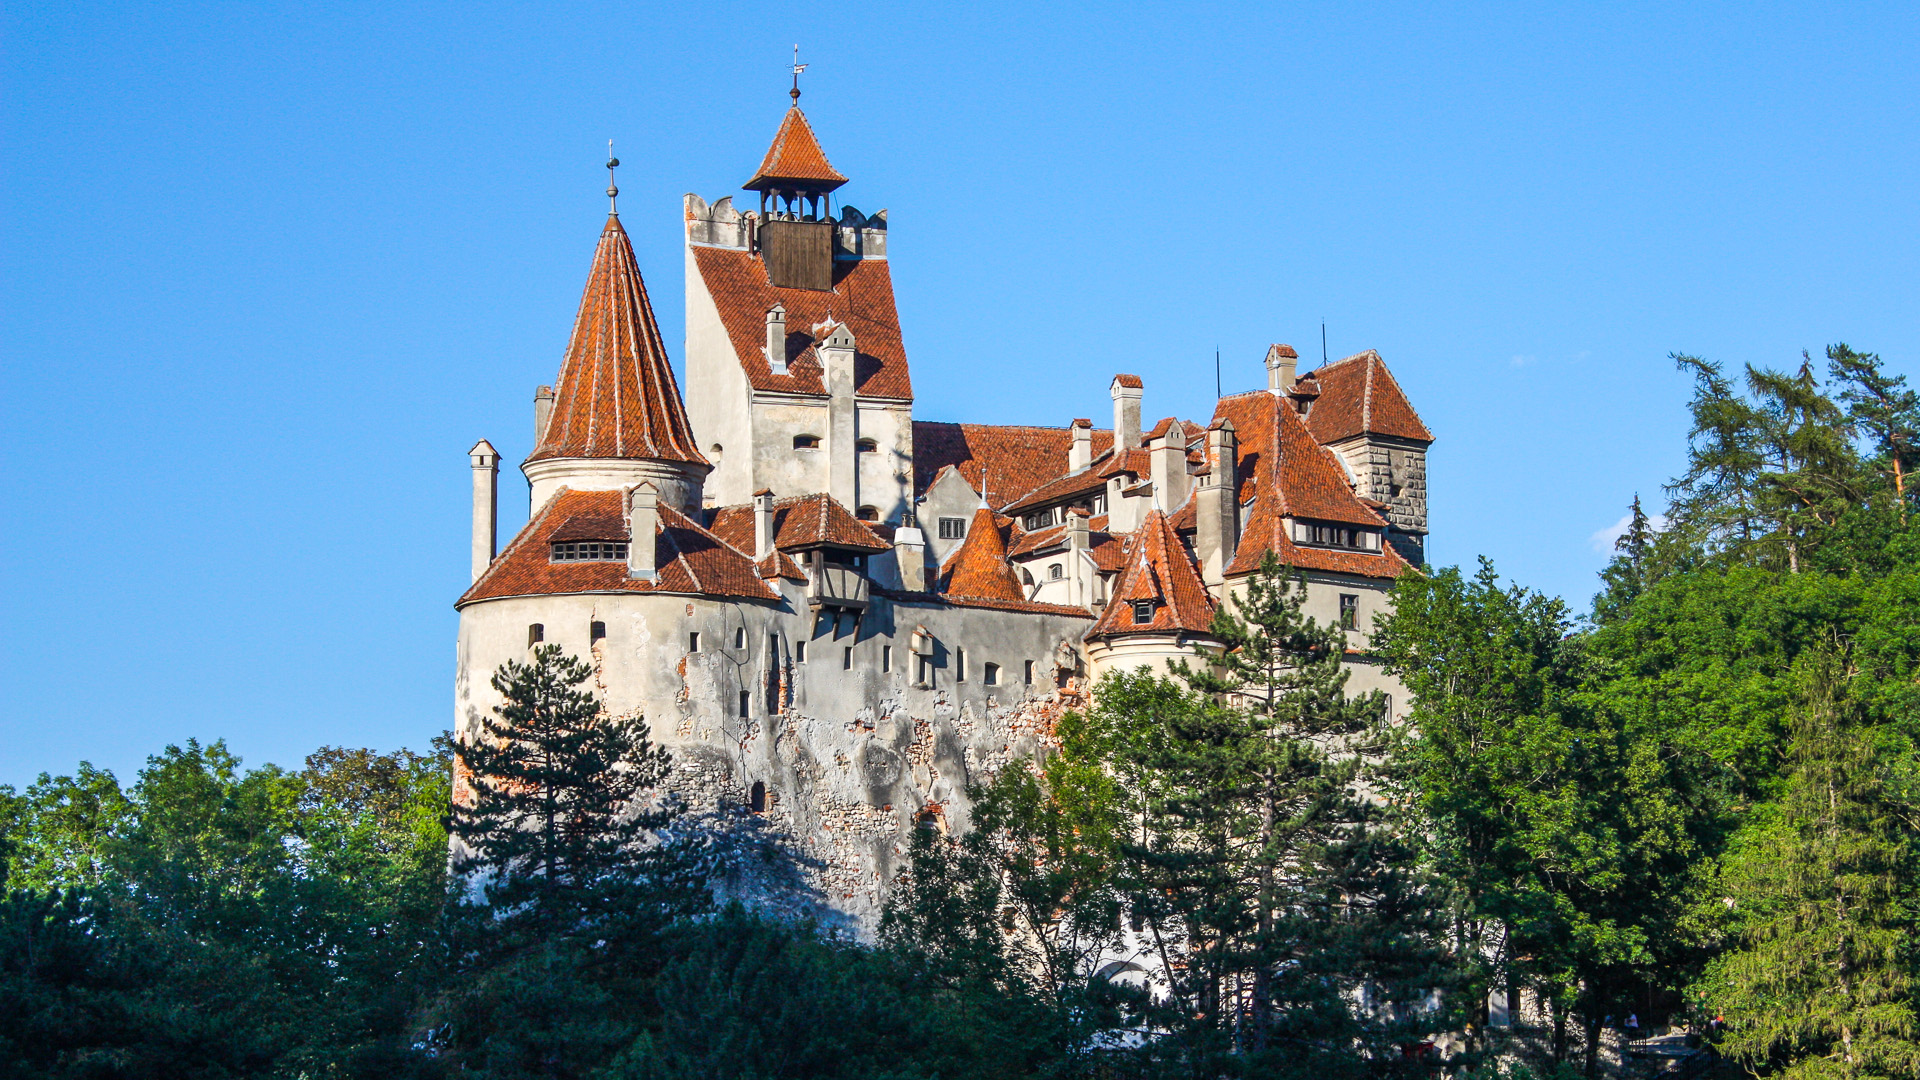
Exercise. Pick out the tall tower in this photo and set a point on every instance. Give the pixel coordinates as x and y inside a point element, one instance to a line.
<point>797,379</point>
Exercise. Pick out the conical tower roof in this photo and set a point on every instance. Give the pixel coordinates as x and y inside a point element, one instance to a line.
<point>795,159</point>
<point>616,396</point>
<point>979,569</point>
<point>1160,573</point>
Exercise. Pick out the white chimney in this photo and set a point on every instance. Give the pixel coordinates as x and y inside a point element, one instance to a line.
<point>1080,451</point>
<point>762,524</point>
<point>486,505</point>
<point>643,520</point>
<point>1217,505</point>
<point>1280,360</point>
<point>1127,391</point>
<point>777,339</point>
<point>910,553</point>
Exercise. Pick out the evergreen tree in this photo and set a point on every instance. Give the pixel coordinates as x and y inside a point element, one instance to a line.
<point>559,827</point>
<point>1821,982</point>
<point>1883,409</point>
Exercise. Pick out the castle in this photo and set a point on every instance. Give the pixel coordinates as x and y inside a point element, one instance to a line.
<point>838,617</point>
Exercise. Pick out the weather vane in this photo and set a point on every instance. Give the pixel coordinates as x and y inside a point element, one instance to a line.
<point>798,67</point>
<point>613,190</point>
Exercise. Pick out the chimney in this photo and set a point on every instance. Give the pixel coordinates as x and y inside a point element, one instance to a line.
<point>643,519</point>
<point>910,553</point>
<point>777,339</point>
<point>1079,541</point>
<point>1080,452</point>
<point>1127,391</point>
<point>486,505</point>
<point>542,409</point>
<point>1217,505</point>
<point>1280,360</point>
<point>836,347</point>
<point>1169,456</point>
<point>762,524</point>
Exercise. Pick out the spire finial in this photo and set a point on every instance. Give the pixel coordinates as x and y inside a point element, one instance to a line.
<point>798,67</point>
<point>613,190</point>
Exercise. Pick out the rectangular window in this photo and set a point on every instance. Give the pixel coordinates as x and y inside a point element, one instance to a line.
<point>799,652</point>
<point>746,702</point>
<point>886,658</point>
<point>924,677</point>
<point>953,528</point>
<point>1027,675</point>
<point>588,551</point>
<point>990,674</point>
<point>846,658</point>
<point>1142,611</point>
<point>536,634</point>
<point>596,631</point>
<point>959,665</point>
<point>693,641</point>
<point>1349,612</point>
<point>773,648</point>
<point>1055,571</point>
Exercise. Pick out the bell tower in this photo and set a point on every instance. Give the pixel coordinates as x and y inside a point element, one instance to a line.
<point>795,237</point>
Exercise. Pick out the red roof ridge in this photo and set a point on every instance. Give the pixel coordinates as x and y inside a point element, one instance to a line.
<point>616,396</point>
<point>795,155</point>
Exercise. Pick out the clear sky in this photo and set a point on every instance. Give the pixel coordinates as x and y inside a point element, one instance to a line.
<point>269,272</point>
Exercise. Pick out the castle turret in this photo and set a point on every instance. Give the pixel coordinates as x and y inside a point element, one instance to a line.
<point>616,418</point>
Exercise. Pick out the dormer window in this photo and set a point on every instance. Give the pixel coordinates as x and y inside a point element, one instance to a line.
<point>1336,536</point>
<point>806,442</point>
<point>1142,612</point>
<point>589,551</point>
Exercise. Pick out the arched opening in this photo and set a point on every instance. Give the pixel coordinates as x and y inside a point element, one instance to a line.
<point>867,446</point>
<point>757,798</point>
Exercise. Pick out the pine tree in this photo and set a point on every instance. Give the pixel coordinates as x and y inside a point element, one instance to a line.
<point>1821,983</point>
<point>559,826</point>
<point>1883,409</point>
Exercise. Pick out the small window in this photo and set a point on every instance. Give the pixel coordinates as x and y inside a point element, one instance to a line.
<point>990,674</point>
<point>866,446</point>
<point>846,658</point>
<point>799,652</point>
<point>536,634</point>
<point>1037,521</point>
<point>924,674</point>
<point>1055,571</point>
<point>806,442</point>
<point>953,528</point>
<point>739,637</point>
<point>693,641</point>
<point>1349,612</point>
<point>757,798</point>
<point>746,703</point>
<point>1027,675</point>
<point>886,658</point>
<point>959,665</point>
<point>589,551</point>
<point>1142,611</point>
<point>1386,708</point>
<point>773,646</point>
<point>596,631</point>
<point>867,513</point>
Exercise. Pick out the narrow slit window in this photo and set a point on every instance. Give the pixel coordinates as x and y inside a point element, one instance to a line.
<point>693,641</point>
<point>739,637</point>
<point>596,631</point>
<point>1027,675</point>
<point>746,703</point>
<point>959,665</point>
<point>886,658</point>
<point>773,648</point>
<point>846,658</point>
<point>799,652</point>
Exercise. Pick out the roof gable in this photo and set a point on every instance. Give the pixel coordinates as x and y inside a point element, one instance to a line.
<point>1158,570</point>
<point>1359,396</point>
<point>1012,460</point>
<point>861,299</point>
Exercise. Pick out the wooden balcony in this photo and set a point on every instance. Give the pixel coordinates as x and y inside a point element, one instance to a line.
<point>837,587</point>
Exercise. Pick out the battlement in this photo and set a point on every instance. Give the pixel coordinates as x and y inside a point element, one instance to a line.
<point>856,236</point>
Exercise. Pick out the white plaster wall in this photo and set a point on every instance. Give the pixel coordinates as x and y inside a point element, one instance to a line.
<point>679,485</point>
<point>717,394</point>
<point>949,496</point>
<point>885,476</point>
<point>775,463</point>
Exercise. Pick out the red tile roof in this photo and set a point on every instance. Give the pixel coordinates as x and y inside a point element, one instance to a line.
<point>1014,460</point>
<point>1287,472</point>
<point>1129,380</point>
<point>689,558</point>
<point>1085,482</point>
<point>795,155</point>
<point>799,522</point>
<point>616,397</point>
<point>861,298</point>
<point>1359,396</point>
<point>979,569</point>
<point>1158,569</point>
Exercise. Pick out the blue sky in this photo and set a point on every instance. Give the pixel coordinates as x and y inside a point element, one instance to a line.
<point>268,272</point>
